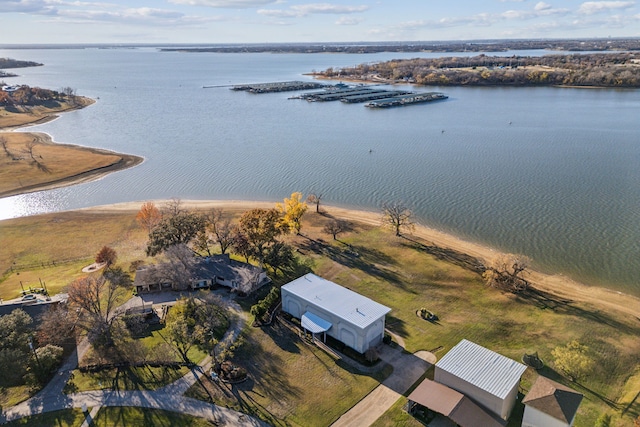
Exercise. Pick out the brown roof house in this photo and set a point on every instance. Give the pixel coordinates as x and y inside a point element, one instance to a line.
<point>549,404</point>
<point>200,273</point>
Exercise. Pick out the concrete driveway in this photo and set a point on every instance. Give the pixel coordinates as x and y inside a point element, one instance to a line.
<point>407,369</point>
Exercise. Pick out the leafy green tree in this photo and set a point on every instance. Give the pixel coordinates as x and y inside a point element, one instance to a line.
<point>572,359</point>
<point>260,228</point>
<point>196,322</point>
<point>279,256</point>
<point>15,336</point>
<point>182,227</point>
<point>44,363</point>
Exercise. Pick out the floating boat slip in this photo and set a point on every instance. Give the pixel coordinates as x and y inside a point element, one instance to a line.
<point>398,101</point>
<point>372,96</point>
<point>278,86</point>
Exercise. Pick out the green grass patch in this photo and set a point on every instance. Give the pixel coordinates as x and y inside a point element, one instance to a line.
<point>63,418</point>
<point>13,395</point>
<point>135,378</point>
<point>290,382</point>
<point>133,417</point>
<point>130,378</point>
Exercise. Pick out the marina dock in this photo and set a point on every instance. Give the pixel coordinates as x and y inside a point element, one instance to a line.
<point>374,96</point>
<point>277,87</point>
<point>414,98</point>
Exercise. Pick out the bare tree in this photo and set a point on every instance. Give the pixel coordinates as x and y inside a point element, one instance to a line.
<point>221,229</point>
<point>95,299</point>
<point>314,198</point>
<point>179,268</point>
<point>173,207</point>
<point>335,227</point>
<point>397,216</point>
<point>507,272</point>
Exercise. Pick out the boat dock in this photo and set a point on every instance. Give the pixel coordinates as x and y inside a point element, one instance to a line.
<point>277,87</point>
<point>374,96</point>
<point>414,98</point>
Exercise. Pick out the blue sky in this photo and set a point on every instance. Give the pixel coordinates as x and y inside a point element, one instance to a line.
<point>255,21</point>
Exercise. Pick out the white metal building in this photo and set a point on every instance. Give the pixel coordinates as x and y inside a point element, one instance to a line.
<point>485,376</point>
<point>325,307</point>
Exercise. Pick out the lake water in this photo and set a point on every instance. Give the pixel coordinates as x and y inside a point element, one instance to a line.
<point>548,172</point>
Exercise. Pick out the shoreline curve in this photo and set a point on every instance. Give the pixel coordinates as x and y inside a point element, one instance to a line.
<point>555,284</point>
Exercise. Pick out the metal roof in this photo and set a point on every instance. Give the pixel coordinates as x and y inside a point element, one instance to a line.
<point>315,324</point>
<point>485,369</point>
<point>337,300</point>
<point>453,405</point>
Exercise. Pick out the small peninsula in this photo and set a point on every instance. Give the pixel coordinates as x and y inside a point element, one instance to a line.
<point>610,70</point>
<point>32,161</point>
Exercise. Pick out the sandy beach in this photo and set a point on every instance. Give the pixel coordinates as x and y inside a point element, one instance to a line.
<point>561,286</point>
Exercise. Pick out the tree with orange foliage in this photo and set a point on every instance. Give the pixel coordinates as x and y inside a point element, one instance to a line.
<point>149,216</point>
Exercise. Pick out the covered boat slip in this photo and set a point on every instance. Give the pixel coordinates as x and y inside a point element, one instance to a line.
<point>315,324</point>
<point>452,404</point>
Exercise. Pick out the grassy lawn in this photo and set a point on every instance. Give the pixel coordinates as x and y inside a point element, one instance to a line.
<point>136,417</point>
<point>291,383</point>
<point>404,276</point>
<point>55,247</point>
<point>134,378</point>
<point>63,418</point>
<point>10,396</point>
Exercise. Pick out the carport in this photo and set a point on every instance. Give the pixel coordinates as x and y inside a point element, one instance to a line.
<point>452,404</point>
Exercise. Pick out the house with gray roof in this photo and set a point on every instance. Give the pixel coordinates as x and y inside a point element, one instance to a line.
<point>324,307</point>
<point>486,377</point>
<point>204,272</point>
<point>550,404</point>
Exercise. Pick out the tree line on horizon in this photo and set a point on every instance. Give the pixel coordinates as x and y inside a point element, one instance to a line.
<point>596,69</point>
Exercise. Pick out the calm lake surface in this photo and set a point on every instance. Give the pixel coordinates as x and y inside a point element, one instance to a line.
<point>548,172</point>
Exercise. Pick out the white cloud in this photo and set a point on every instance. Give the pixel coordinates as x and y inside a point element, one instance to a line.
<point>539,10</point>
<point>228,4</point>
<point>542,6</point>
<point>591,7</point>
<point>25,6</point>
<point>348,20</point>
<point>313,8</point>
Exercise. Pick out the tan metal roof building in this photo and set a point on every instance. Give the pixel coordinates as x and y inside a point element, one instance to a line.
<point>453,405</point>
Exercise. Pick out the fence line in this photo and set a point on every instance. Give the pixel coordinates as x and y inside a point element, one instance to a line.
<point>15,268</point>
